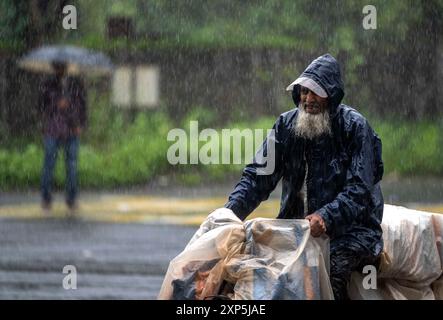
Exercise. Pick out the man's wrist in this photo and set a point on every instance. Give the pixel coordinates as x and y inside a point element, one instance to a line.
<point>323,213</point>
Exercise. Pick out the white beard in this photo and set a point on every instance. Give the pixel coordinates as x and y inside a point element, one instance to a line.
<point>310,126</point>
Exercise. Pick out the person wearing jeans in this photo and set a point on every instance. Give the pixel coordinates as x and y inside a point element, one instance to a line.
<point>62,104</point>
<point>70,146</point>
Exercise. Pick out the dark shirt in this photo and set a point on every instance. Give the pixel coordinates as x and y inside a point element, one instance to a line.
<point>62,122</point>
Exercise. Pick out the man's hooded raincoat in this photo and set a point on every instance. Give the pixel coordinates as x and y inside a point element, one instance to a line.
<point>342,170</point>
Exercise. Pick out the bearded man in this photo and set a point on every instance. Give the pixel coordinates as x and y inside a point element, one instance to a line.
<point>329,150</point>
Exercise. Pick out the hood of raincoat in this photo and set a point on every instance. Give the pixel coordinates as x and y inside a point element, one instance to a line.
<point>325,71</point>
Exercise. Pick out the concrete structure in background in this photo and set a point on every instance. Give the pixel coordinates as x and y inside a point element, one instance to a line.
<point>136,86</point>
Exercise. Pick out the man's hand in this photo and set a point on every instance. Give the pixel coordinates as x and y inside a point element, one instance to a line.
<point>62,103</point>
<point>317,224</point>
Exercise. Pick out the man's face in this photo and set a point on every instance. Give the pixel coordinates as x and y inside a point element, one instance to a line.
<point>313,119</point>
<point>59,69</point>
<point>312,103</point>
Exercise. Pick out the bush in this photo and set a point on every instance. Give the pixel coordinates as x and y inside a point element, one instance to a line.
<point>411,148</point>
<point>116,152</point>
<point>132,155</point>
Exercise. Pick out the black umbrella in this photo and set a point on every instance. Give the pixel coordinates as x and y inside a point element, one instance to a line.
<point>78,60</point>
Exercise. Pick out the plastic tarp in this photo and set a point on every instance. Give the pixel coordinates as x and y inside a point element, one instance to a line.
<point>388,289</point>
<point>281,261</point>
<point>410,246</point>
<point>411,264</point>
<point>261,259</point>
<point>437,285</point>
<point>196,272</point>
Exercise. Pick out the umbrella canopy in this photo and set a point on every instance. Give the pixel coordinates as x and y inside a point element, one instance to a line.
<point>78,60</point>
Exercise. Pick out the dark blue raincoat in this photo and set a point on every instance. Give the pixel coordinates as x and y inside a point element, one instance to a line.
<point>344,171</point>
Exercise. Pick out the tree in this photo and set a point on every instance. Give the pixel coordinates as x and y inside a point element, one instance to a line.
<point>24,25</point>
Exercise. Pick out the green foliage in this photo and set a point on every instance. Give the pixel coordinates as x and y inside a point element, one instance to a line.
<point>273,23</point>
<point>12,24</point>
<point>20,168</point>
<point>26,24</point>
<point>206,117</point>
<point>135,157</point>
<point>411,148</point>
<point>116,152</point>
<point>138,155</point>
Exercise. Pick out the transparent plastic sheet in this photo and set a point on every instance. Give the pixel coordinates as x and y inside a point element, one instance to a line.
<point>411,264</point>
<point>260,259</point>
<point>437,285</point>
<point>388,289</point>
<point>437,288</point>
<point>281,262</point>
<point>410,247</point>
<point>197,272</point>
<point>437,221</point>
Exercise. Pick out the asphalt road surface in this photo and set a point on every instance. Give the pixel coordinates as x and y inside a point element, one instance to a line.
<point>117,249</point>
<point>111,260</point>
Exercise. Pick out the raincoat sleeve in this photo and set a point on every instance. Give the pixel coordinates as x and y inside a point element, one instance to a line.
<point>362,174</point>
<point>260,177</point>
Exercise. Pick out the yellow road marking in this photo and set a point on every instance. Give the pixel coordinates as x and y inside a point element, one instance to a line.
<point>434,209</point>
<point>130,209</point>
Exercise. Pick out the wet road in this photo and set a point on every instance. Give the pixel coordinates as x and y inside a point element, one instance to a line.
<point>113,261</point>
<point>118,250</point>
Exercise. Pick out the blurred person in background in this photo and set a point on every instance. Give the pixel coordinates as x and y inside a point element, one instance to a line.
<point>62,106</point>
